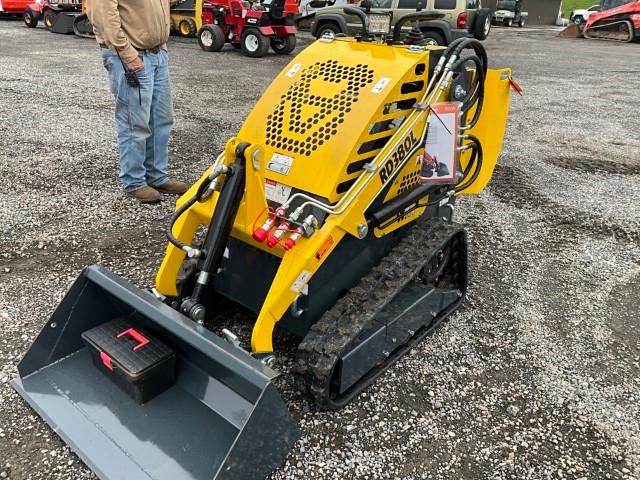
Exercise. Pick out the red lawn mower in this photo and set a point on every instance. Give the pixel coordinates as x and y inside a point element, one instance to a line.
<point>252,27</point>
<point>11,7</point>
<point>58,16</point>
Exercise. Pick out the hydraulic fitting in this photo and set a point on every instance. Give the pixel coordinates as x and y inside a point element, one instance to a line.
<point>261,234</point>
<point>279,232</point>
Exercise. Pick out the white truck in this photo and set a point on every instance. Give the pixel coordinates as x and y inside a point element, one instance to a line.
<point>580,16</point>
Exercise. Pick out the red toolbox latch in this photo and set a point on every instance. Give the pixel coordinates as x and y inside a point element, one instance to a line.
<point>106,360</point>
<point>137,336</point>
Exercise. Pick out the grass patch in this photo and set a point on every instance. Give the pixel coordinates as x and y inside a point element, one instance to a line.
<point>568,5</point>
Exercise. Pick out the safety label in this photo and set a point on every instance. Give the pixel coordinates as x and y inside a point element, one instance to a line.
<point>300,283</point>
<point>381,85</point>
<point>276,192</point>
<point>326,246</point>
<point>293,70</point>
<point>280,163</point>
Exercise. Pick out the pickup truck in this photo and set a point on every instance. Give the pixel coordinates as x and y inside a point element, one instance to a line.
<point>582,15</point>
<point>462,18</point>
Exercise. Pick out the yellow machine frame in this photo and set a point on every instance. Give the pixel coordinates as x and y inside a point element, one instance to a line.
<point>314,87</point>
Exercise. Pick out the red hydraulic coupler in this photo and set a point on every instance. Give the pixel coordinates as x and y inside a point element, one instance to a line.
<point>260,235</point>
<point>279,232</point>
<point>293,238</point>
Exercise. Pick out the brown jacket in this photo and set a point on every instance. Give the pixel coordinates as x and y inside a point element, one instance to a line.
<point>126,26</point>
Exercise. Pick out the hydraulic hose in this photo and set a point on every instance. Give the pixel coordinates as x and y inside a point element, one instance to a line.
<point>464,184</point>
<point>479,49</point>
<point>197,197</point>
<point>472,161</point>
<point>174,218</point>
<point>477,94</point>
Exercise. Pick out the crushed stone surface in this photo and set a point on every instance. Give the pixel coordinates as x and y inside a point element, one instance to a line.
<point>535,377</point>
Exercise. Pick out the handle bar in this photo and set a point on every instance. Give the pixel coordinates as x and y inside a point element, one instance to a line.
<point>360,13</point>
<point>412,17</point>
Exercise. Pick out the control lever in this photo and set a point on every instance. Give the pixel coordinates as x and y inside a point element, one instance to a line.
<point>414,17</point>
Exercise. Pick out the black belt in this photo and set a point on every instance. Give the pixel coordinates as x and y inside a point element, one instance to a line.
<point>147,50</point>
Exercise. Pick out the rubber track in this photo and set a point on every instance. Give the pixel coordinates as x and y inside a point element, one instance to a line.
<point>321,348</point>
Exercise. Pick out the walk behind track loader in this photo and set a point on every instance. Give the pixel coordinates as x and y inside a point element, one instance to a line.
<point>320,218</point>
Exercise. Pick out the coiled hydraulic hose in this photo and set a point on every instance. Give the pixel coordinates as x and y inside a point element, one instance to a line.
<point>476,161</point>
<point>476,95</point>
<point>479,49</point>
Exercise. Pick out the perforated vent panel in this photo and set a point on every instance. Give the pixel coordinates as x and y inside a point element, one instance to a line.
<point>308,114</point>
<point>408,182</point>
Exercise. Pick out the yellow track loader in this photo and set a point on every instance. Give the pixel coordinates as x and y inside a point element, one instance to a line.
<point>330,215</point>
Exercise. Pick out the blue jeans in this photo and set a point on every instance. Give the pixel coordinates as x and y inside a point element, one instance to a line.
<point>144,118</point>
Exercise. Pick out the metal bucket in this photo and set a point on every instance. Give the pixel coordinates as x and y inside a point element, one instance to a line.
<point>222,419</point>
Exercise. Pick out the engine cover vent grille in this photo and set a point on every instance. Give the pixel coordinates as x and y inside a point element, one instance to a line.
<point>310,112</point>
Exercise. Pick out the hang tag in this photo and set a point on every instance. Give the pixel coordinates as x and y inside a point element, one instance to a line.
<point>440,157</point>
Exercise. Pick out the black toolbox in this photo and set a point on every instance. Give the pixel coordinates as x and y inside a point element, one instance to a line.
<point>139,363</point>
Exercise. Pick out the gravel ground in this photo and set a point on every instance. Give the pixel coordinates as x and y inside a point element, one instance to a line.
<point>537,376</point>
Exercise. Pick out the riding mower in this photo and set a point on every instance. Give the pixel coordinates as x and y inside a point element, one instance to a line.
<point>319,218</point>
<point>252,27</point>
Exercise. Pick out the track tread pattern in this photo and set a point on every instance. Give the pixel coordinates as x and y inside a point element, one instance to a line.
<point>320,350</point>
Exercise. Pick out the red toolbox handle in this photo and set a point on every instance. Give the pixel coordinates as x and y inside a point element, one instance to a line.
<point>137,336</point>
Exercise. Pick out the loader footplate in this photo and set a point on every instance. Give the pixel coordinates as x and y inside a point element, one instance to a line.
<point>396,305</point>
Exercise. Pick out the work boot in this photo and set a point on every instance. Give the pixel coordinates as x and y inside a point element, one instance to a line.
<point>173,187</point>
<point>146,194</point>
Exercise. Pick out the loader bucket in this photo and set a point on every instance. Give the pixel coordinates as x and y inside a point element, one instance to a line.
<point>571,31</point>
<point>63,23</point>
<point>222,418</point>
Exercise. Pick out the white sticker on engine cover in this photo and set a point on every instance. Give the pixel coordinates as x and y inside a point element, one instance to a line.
<point>276,192</point>
<point>300,283</point>
<point>381,85</point>
<point>280,164</point>
<point>293,70</point>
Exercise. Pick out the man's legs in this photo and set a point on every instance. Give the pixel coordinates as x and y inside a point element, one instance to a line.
<point>160,122</point>
<point>133,111</point>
